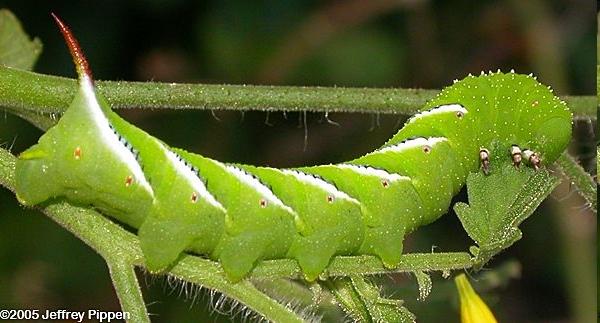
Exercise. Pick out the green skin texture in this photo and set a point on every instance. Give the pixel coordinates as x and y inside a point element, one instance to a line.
<point>309,224</point>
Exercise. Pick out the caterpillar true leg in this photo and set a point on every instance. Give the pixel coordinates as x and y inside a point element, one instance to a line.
<point>516,155</point>
<point>484,159</point>
<point>533,158</point>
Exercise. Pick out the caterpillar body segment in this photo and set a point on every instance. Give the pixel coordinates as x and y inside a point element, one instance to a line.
<point>171,223</point>
<point>451,121</point>
<point>431,166</point>
<point>258,225</point>
<point>241,214</point>
<point>330,222</point>
<point>390,206</point>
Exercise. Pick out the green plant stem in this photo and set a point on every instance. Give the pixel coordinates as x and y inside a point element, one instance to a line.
<point>577,247</point>
<point>344,265</point>
<point>212,277</point>
<point>42,121</point>
<point>580,179</point>
<point>597,163</point>
<point>22,91</point>
<point>128,289</point>
<point>350,300</point>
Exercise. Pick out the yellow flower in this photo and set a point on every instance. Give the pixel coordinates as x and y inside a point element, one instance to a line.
<point>472,308</point>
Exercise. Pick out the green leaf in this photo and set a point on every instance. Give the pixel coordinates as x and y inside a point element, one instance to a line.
<point>500,202</point>
<point>16,50</point>
<point>362,301</point>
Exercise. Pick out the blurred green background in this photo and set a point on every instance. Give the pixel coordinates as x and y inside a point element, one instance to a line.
<point>373,43</point>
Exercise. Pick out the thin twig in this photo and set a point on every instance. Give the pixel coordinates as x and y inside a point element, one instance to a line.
<point>22,91</point>
<point>581,179</point>
<point>128,289</point>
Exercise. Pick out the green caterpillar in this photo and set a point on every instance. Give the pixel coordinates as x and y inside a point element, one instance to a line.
<point>240,214</point>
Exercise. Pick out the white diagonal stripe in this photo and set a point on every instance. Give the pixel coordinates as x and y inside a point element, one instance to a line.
<point>109,137</point>
<point>259,187</point>
<point>325,186</point>
<point>412,143</point>
<point>455,107</point>
<point>192,178</point>
<point>370,171</point>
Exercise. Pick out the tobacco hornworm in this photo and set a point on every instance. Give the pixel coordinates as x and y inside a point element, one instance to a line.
<point>240,214</point>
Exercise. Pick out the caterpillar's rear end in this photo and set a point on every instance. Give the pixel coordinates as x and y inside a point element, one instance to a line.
<point>82,158</point>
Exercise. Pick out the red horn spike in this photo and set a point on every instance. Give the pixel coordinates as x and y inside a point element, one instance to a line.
<point>81,63</point>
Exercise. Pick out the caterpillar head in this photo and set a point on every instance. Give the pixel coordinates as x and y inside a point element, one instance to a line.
<point>509,109</point>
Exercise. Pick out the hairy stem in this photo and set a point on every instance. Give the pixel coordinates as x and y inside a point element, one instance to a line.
<point>128,289</point>
<point>22,91</point>
<point>343,266</point>
<point>349,299</point>
<point>580,179</point>
<point>244,291</point>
